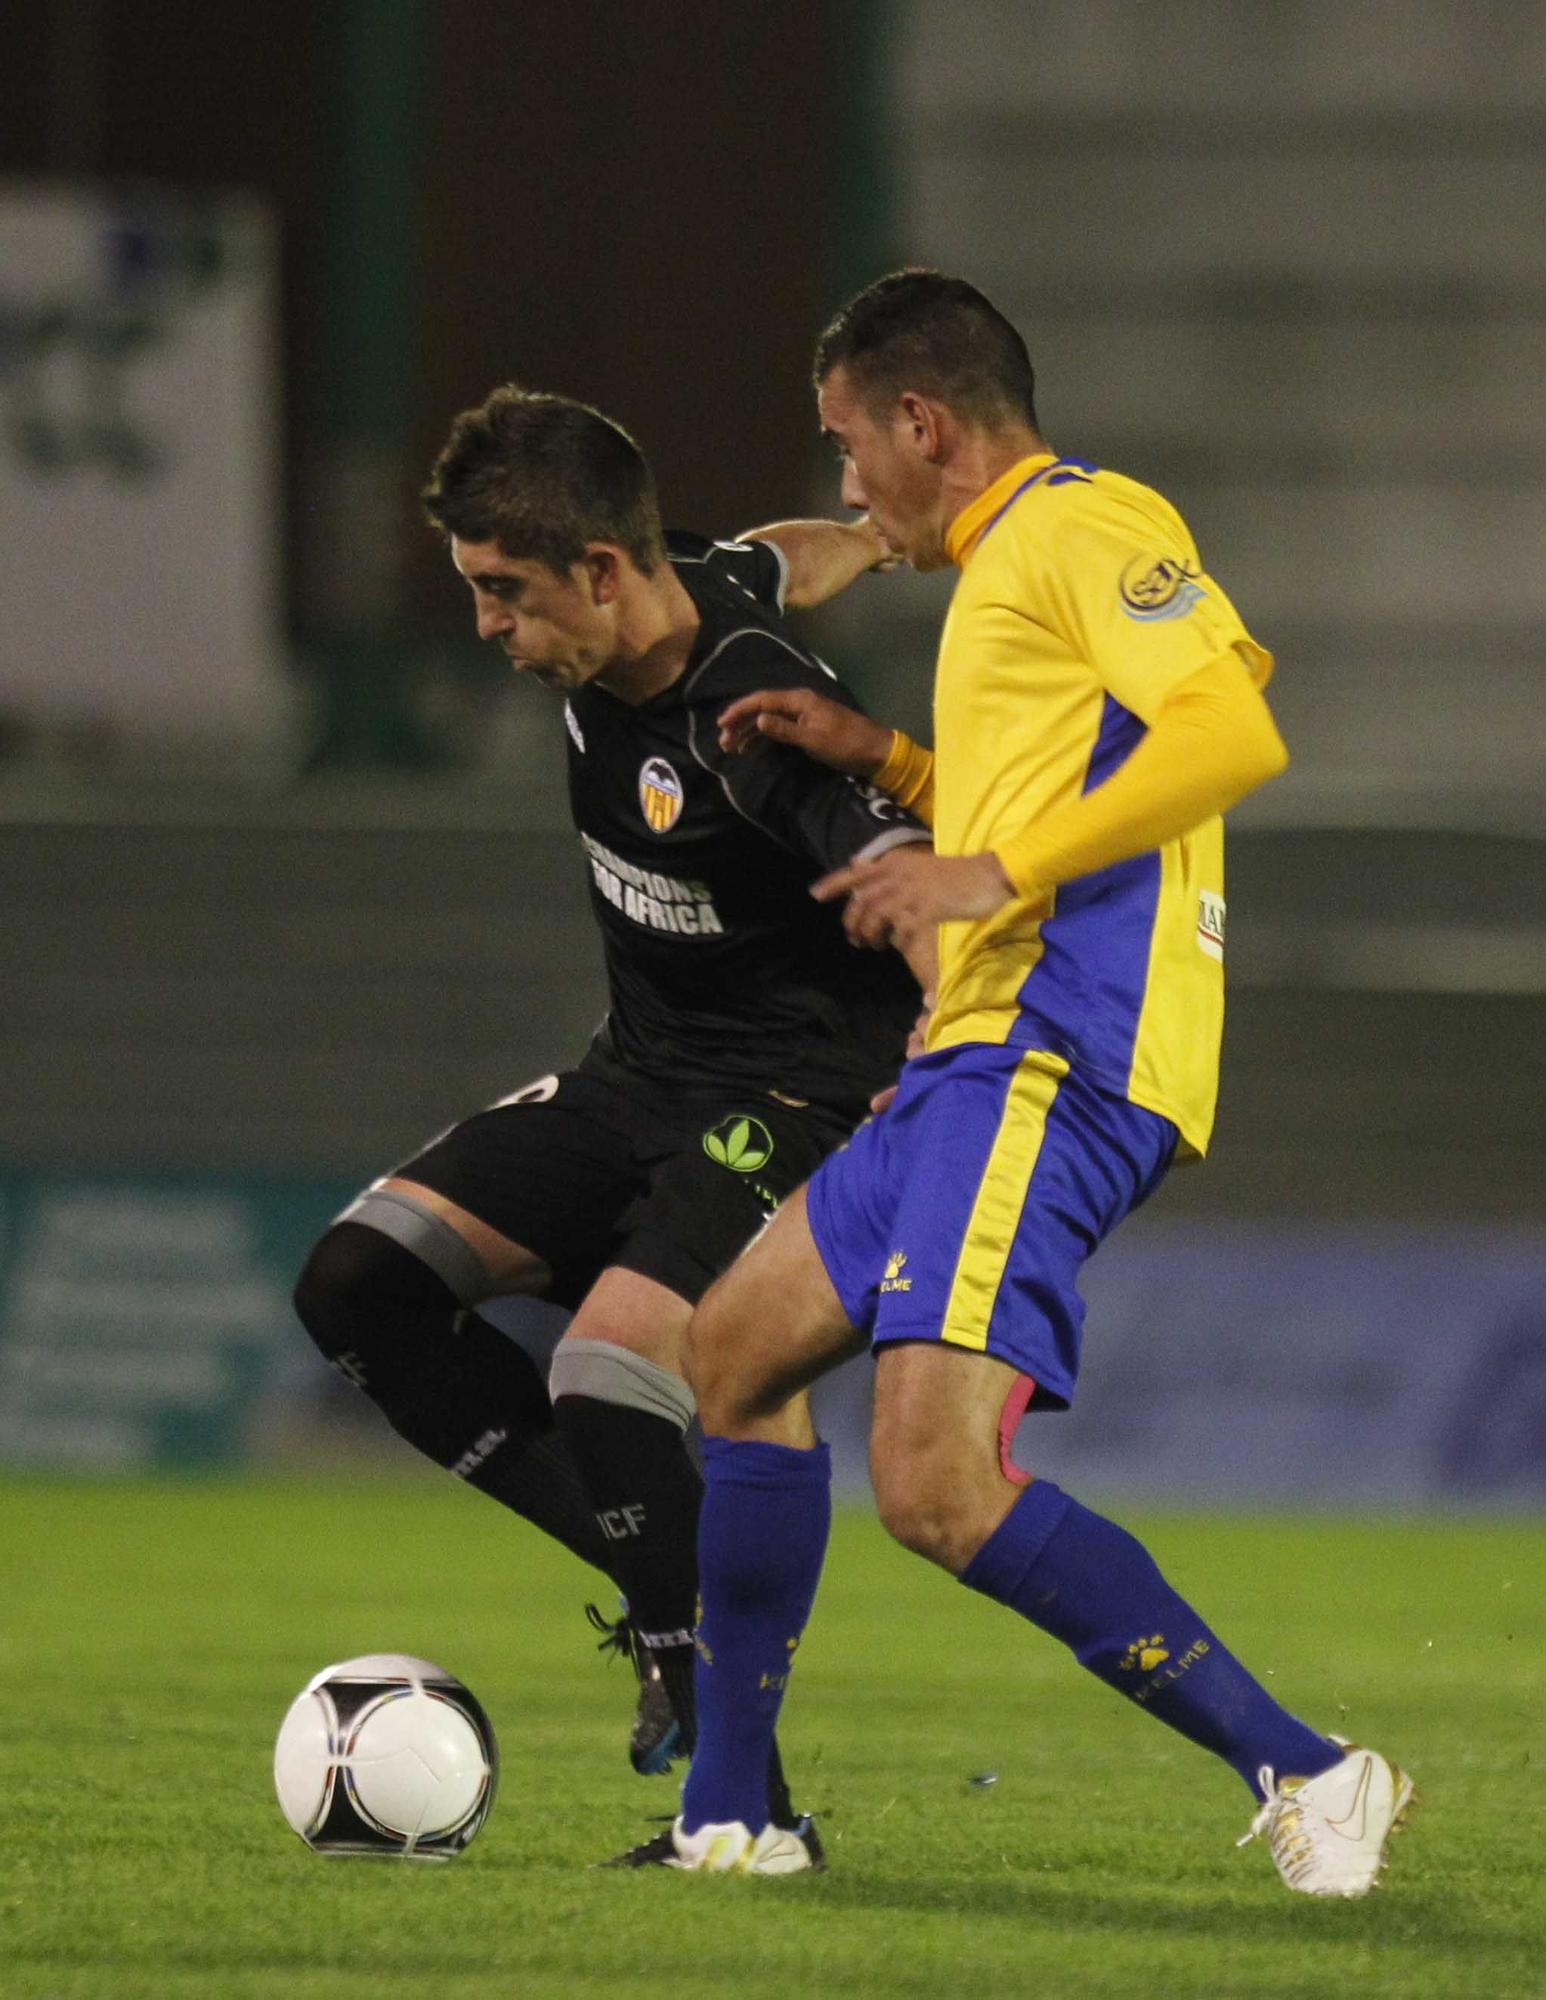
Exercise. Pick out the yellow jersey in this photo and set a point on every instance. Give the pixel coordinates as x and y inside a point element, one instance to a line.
<point>1081,605</point>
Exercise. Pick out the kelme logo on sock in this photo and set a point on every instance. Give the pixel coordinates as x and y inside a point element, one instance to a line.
<point>744,1144</point>
<point>1145,1654</point>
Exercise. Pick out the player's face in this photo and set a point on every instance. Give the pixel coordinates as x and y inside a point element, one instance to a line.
<point>886,470</point>
<point>549,626</point>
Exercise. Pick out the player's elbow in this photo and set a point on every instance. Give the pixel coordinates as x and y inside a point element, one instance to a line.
<point>1269,751</point>
<point>1255,751</point>
<point>1234,742</point>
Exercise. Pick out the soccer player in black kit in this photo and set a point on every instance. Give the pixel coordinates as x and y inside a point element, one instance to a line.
<point>742,1043</point>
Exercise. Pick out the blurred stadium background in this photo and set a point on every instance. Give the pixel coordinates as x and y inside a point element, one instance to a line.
<point>285,882</point>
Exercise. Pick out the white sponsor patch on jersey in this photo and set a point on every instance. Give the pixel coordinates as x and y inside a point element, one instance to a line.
<point>658,902</point>
<point>1210,924</point>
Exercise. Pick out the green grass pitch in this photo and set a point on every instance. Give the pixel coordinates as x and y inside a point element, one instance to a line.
<point>152,1634</point>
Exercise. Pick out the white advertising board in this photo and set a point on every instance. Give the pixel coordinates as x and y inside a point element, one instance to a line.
<point>138,459</point>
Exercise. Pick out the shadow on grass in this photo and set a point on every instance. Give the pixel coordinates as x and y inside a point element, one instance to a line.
<point>1422,1921</point>
<point>1389,1917</point>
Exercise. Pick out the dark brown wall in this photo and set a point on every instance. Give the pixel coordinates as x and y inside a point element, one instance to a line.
<point>630,207</point>
<point>623,201</point>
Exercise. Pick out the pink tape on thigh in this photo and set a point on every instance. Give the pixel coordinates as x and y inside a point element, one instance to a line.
<point>1015,1404</point>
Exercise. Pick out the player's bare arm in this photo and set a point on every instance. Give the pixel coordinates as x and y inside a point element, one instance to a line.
<point>824,557</point>
<point>832,733</point>
<point>920,948</point>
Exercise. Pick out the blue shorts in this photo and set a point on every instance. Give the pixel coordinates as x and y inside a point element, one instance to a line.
<point>964,1212</point>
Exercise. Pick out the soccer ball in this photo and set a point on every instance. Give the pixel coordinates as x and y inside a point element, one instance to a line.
<point>386,1754</point>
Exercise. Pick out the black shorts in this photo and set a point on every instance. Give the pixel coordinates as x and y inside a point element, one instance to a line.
<point>596,1167</point>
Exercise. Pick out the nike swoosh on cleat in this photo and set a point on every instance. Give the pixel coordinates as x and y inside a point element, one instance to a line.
<point>1360,1806</point>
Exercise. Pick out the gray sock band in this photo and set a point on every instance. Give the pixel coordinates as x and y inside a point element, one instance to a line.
<point>611,1374</point>
<point>427,1236</point>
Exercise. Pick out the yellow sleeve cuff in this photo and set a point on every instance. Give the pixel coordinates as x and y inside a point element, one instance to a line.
<point>908,776</point>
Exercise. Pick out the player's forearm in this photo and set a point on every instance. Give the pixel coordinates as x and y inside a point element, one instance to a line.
<point>921,950</point>
<point>907,775</point>
<point>1212,741</point>
<point>823,557</point>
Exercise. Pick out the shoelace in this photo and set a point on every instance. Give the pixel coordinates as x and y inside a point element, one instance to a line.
<point>617,1637</point>
<point>1281,1820</point>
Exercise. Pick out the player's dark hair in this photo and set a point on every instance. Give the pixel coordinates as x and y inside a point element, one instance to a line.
<point>919,330</point>
<point>541,476</point>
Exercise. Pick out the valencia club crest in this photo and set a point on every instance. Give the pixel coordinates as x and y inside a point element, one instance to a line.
<point>660,795</point>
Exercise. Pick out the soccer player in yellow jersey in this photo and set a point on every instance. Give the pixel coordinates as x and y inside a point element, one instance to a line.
<point>1097,707</point>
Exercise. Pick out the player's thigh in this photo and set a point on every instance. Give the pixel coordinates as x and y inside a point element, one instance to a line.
<point>627,1310</point>
<point>1016,1169</point>
<point>535,1184</point>
<point>720,1171</point>
<point>508,1268</point>
<point>766,1330</point>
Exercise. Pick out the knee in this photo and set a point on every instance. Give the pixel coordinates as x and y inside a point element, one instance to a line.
<point>730,1390</point>
<point>586,1372</point>
<point>709,1364</point>
<point>329,1290</point>
<point>935,1507</point>
<point>921,1521</point>
<point>357,1286</point>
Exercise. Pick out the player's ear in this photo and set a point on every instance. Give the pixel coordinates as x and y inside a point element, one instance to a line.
<point>923,422</point>
<point>602,565</point>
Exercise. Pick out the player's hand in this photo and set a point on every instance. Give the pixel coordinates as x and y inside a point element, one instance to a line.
<point>822,728</point>
<point>886,558</point>
<point>908,889</point>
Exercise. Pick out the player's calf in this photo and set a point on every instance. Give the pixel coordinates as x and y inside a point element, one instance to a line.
<point>624,1418</point>
<point>446,1381</point>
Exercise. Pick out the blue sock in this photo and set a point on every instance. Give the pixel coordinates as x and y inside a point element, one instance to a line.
<point>762,1534</point>
<point>1092,1585</point>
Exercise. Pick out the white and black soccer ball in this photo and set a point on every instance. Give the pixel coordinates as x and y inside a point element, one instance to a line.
<point>387,1755</point>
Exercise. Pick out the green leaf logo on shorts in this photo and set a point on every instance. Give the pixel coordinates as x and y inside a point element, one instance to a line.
<point>742,1143</point>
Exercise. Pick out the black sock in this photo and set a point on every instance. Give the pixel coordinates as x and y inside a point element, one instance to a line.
<point>647,1487</point>
<point>532,1470</point>
<point>646,1491</point>
<point>445,1380</point>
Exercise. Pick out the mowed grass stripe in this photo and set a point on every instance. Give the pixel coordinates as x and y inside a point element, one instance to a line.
<point>153,1633</point>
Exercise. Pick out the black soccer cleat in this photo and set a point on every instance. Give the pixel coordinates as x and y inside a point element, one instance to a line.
<point>659,1851</point>
<point>655,1740</point>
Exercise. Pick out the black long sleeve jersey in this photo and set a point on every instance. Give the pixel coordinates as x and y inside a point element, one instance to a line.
<point>720,966</point>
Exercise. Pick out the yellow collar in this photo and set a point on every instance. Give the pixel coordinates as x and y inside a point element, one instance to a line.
<point>974,519</point>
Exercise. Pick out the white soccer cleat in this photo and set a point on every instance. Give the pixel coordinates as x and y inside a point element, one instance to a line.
<point>1327,1834</point>
<point>728,1847</point>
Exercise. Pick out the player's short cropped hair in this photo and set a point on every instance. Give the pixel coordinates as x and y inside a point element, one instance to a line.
<point>919,330</point>
<point>542,476</point>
